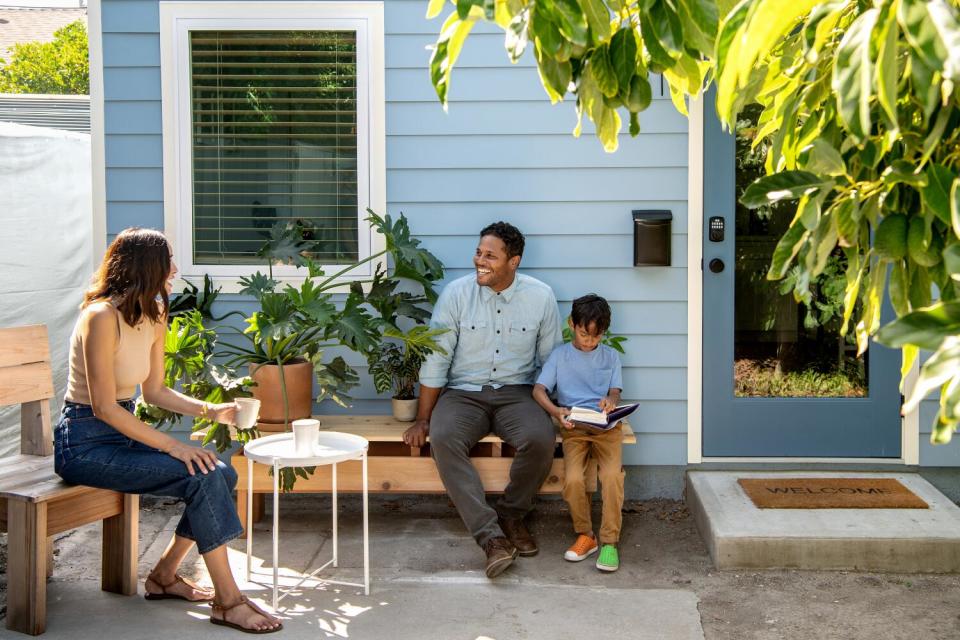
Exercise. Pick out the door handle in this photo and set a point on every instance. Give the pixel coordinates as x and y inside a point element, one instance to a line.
<point>716,265</point>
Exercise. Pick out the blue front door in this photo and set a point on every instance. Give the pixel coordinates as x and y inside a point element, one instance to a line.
<point>778,379</point>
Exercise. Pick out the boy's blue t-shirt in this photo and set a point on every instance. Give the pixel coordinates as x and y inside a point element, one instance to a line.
<point>581,378</point>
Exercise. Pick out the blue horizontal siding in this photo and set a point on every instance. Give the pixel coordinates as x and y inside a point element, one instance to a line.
<point>135,150</point>
<point>560,150</point>
<point>131,49</point>
<point>121,215</point>
<point>536,185</point>
<point>501,151</point>
<point>131,83</point>
<point>660,284</point>
<point>557,251</point>
<point>134,185</point>
<point>429,219</point>
<point>132,117</point>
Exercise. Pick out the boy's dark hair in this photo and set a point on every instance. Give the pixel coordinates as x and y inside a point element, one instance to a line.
<point>510,235</point>
<point>588,309</point>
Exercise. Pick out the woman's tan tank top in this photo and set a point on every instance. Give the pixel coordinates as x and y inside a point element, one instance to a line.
<point>131,359</point>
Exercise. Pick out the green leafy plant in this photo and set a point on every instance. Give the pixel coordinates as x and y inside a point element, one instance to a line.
<point>612,340</point>
<point>396,364</point>
<point>192,298</point>
<point>58,67</point>
<point>189,363</point>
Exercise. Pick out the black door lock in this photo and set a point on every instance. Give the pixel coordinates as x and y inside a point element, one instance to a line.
<point>716,228</point>
<point>716,265</point>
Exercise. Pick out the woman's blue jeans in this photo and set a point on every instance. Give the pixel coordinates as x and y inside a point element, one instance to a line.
<point>90,452</point>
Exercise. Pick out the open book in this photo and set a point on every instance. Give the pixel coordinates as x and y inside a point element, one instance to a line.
<point>602,421</point>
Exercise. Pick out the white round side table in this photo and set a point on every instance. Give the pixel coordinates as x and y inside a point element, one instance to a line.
<point>278,452</point>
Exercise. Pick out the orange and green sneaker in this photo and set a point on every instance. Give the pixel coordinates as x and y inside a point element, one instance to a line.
<point>609,559</point>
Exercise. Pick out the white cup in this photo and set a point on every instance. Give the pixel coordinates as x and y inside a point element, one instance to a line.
<point>306,432</point>
<point>247,411</point>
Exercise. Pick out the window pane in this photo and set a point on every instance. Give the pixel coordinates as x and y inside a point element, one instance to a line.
<point>274,139</point>
<point>784,348</point>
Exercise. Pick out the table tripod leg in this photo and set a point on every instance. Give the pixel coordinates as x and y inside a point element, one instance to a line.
<point>366,532</point>
<point>333,494</point>
<point>249,515</point>
<point>276,529</point>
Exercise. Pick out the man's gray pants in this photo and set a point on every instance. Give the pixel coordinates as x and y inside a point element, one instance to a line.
<point>459,420</point>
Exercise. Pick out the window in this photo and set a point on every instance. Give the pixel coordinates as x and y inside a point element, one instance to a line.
<point>272,113</point>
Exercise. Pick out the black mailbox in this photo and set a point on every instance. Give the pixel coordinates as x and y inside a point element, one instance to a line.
<point>651,238</point>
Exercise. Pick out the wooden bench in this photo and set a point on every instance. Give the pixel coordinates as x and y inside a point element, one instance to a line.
<point>35,504</point>
<point>394,467</point>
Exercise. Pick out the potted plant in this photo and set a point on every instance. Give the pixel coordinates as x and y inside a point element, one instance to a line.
<point>395,364</point>
<point>189,363</point>
<point>286,337</point>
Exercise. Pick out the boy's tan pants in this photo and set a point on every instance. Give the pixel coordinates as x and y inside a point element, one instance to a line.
<point>578,444</point>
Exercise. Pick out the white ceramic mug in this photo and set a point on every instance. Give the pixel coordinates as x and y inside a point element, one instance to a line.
<point>306,432</point>
<point>248,409</point>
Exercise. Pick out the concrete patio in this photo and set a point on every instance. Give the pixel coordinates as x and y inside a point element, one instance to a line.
<point>427,583</point>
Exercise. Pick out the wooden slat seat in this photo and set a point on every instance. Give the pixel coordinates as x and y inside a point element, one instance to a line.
<point>394,467</point>
<point>36,504</point>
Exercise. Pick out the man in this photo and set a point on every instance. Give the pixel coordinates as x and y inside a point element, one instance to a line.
<point>502,326</point>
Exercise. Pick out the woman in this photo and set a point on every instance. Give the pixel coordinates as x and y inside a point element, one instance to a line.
<point>117,345</point>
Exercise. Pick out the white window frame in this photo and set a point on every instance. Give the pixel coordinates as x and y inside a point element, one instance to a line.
<point>177,20</point>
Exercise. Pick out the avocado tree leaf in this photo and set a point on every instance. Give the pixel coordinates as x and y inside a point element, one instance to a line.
<point>936,194</point>
<point>786,185</point>
<point>598,17</point>
<point>853,75</point>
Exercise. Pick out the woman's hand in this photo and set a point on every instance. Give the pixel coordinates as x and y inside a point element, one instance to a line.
<point>194,457</point>
<point>225,413</point>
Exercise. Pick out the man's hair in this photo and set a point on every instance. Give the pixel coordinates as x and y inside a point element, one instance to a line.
<point>509,234</point>
<point>588,309</point>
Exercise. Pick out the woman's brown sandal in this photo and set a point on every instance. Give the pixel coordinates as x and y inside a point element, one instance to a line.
<point>233,625</point>
<point>166,595</point>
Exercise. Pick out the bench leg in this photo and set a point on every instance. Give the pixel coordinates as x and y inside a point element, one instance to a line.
<point>26,567</point>
<point>120,541</point>
<point>50,556</point>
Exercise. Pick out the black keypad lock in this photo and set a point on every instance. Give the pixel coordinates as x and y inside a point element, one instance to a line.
<point>716,229</point>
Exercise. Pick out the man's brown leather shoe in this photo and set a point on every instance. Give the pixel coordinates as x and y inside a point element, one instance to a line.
<point>518,534</point>
<point>500,555</point>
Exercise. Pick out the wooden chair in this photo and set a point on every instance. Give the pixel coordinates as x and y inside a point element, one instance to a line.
<point>35,504</point>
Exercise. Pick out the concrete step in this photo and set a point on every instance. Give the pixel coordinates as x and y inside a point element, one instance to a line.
<point>741,536</point>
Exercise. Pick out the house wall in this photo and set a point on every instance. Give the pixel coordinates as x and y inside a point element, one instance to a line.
<point>500,152</point>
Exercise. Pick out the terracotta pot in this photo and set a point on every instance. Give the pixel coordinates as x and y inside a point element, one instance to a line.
<point>299,382</point>
<point>404,410</point>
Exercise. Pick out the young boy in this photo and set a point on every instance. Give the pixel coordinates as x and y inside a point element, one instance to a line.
<point>587,374</point>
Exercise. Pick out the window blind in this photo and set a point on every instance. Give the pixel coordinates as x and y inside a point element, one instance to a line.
<point>274,134</point>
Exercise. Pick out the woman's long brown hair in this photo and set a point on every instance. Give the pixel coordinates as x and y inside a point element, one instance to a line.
<point>133,273</point>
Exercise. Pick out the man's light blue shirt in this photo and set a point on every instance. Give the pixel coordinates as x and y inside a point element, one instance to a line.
<point>581,377</point>
<point>494,338</point>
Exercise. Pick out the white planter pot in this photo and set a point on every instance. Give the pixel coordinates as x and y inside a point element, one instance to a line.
<point>404,410</point>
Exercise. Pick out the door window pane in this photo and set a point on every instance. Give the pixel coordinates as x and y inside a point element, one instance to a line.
<point>783,348</point>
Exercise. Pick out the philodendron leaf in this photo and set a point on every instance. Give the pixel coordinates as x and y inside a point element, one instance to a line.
<point>786,185</point>
<point>853,75</point>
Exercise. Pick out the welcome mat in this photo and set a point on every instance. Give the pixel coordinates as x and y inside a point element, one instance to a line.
<point>830,493</point>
